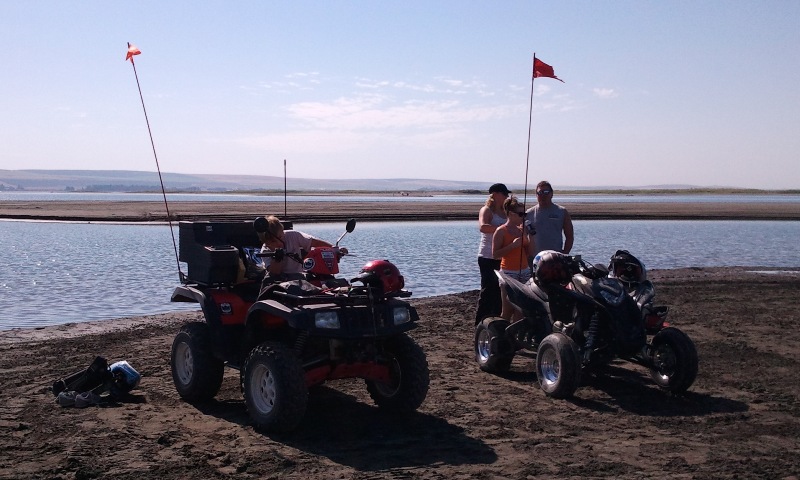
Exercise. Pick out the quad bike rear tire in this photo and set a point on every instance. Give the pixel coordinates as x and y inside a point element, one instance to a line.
<point>410,377</point>
<point>196,372</point>
<point>274,387</point>
<point>674,357</point>
<point>493,349</point>
<point>558,366</point>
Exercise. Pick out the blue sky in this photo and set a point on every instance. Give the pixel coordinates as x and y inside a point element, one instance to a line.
<point>670,92</point>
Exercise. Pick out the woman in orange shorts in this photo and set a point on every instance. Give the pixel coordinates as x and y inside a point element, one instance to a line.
<point>512,247</point>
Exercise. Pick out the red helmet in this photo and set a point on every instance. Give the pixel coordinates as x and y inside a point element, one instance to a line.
<point>386,272</point>
<point>550,266</point>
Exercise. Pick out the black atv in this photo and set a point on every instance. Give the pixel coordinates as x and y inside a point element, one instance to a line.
<point>286,335</point>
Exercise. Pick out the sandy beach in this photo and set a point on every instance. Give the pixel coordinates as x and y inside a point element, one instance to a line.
<point>364,210</point>
<point>740,419</point>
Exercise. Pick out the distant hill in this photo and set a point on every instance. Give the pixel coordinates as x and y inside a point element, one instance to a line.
<point>137,181</point>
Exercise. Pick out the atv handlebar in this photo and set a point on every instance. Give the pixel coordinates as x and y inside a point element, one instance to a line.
<point>592,271</point>
<point>279,254</point>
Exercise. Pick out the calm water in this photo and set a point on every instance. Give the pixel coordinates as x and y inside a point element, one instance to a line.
<point>54,273</point>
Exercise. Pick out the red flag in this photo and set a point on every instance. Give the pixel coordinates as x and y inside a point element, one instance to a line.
<point>132,50</point>
<point>541,69</point>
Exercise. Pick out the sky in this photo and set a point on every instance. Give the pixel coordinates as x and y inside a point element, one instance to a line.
<point>655,92</point>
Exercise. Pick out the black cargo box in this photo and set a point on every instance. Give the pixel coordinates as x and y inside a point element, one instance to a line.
<point>211,249</point>
<point>193,236</point>
<point>214,265</point>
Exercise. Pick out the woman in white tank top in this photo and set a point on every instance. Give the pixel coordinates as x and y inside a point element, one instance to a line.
<point>490,216</point>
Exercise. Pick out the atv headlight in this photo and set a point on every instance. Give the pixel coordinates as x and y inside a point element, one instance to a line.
<point>401,315</point>
<point>326,320</point>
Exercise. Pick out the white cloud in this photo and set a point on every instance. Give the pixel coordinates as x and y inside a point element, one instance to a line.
<point>440,85</point>
<point>605,92</point>
<point>373,111</point>
<point>386,114</point>
<point>307,141</point>
<point>377,121</point>
<point>302,75</point>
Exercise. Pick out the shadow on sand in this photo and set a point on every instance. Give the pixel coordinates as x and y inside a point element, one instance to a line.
<point>629,388</point>
<point>349,432</point>
<point>632,390</point>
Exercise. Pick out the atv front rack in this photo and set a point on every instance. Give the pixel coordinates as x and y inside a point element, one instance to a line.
<point>353,296</point>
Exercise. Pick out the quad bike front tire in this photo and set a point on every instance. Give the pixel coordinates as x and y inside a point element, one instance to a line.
<point>409,376</point>
<point>493,350</point>
<point>196,372</point>
<point>558,366</point>
<point>674,358</point>
<point>274,387</point>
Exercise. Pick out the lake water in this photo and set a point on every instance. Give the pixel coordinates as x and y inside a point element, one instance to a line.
<point>54,273</point>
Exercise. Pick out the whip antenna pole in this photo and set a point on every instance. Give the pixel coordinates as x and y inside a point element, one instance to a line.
<point>132,50</point>
<point>284,189</point>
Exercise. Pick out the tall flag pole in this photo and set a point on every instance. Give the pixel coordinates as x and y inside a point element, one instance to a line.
<point>132,50</point>
<point>540,69</point>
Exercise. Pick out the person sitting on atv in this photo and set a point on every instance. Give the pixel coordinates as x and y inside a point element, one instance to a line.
<point>293,243</point>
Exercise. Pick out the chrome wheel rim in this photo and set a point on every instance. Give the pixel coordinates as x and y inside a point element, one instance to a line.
<point>665,360</point>
<point>184,363</point>
<point>395,376</point>
<point>263,392</point>
<point>549,367</point>
<point>483,344</point>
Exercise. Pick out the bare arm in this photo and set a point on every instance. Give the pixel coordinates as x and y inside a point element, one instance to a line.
<point>316,242</point>
<point>569,234</point>
<point>497,242</point>
<point>485,220</point>
<point>531,244</point>
<point>275,268</point>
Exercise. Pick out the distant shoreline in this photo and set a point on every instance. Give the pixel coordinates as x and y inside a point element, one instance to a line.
<point>426,193</point>
<point>364,210</point>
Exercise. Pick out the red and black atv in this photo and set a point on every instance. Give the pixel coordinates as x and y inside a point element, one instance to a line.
<point>286,336</point>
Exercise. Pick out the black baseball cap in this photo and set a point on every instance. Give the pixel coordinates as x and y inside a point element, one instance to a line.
<point>499,187</point>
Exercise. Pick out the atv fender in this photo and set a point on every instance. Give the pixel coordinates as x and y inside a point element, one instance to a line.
<point>210,312</point>
<point>529,297</point>
<point>271,313</point>
<point>191,294</point>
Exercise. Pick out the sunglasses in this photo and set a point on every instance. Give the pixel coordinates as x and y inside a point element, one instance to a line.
<point>544,192</point>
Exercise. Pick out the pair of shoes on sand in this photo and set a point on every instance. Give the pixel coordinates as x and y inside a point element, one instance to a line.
<point>78,400</point>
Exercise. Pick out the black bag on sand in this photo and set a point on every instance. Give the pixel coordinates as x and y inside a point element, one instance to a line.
<point>86,380</point>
